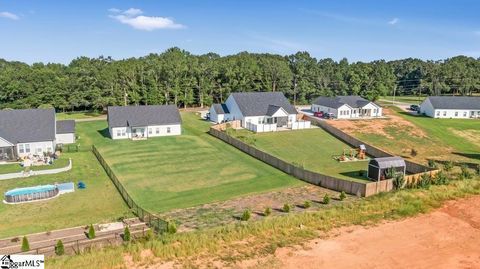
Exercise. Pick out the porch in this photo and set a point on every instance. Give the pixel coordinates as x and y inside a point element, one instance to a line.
<point>7,154</point>
<point>139,133</point>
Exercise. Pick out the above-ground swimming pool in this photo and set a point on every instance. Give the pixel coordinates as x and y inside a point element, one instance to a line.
<point>27,194</point>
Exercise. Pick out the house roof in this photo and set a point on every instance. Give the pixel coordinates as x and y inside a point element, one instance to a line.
<point>455,102</point>
<point>136,116</point>
<point>387,162</point>
<point>65,126</point>
<point>338,101</point>
<point>258,103</point>
<point>220,108</point>
<point>27,125</point>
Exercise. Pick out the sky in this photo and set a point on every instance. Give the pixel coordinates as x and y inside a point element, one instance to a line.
<point>59,31</point>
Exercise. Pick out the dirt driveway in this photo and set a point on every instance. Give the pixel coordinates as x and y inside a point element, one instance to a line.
<point>446,238</point>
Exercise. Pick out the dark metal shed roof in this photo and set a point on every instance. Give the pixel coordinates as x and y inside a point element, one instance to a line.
<point>387,162</point>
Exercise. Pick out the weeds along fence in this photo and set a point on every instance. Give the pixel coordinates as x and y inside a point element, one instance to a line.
<point>411,167</point>
<point>355,188</point>
<point>158,224</point>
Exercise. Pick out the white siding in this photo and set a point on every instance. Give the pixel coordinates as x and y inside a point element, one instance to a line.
<point>65,138</point>
<point>120,133</point>
<point>454,114</point>
<point>4,143</point>
<point>164,130</point>
<point>35,148</point>
<point>346,112</point>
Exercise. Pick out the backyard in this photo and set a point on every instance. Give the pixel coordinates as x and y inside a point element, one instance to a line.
<point>182,171</point>
<point>99,202</point>
<point>16,167</point>
<point>314,149</point>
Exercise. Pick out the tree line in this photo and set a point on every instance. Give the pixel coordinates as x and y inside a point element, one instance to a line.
<point>179,77</point>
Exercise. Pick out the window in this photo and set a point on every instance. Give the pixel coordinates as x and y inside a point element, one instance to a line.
<point>168,130</point>
<point>124,132</point>
<point>150,131</point>
<point>119,133</point>
<point>21,148</point>
<point>27,148</point>
<point>438,113</point>
<point>444,113</point>
<point>465,113</point>
<point>456,113</point>
<point>157,130</point>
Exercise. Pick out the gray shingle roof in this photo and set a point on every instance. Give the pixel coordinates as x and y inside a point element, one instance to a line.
<point>27,125</point>
<point>257,103</point>
<point>338,101</point>
<point>65,126</point>
<point>455,102</point>
<point>272,109</point>
<point>220,109</point>
<point>136,116</point>
<point>387,162</point>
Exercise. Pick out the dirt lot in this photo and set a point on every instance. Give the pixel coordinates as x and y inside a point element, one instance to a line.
<point>446,238</point>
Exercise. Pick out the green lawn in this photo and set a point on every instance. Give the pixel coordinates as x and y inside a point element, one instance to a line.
<point>15,167</point>
<point>99,202</point>
<point>313,149</point>
<point>405,99</point>
<point>77,115</point>
<point>195,168</point>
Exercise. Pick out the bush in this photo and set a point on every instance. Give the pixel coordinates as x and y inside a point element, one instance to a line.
<point>465,173</point>
<point>432,164</point>
<point>171,227</point>
<point>267,211</point>
<point>307,204</point>
<point>59,248</point>
<point>91,232</point>
<point>326,199</point>
<point>286,208</point>
<point>424,181</point>
<point>126,234</point>
<point>441,179</point>
<point>390,173</point>
<point>149,235</point>
<point>413,152</point>
<point>25,244</point>
<point>448,166</point>
<point>342,196</point>
<point>399,182</point>
<point>246,215</point>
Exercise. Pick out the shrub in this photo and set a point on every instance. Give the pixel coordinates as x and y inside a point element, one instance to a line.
<point>286,208</point>
<point>59,248</point>
<point>424,181</point>
<point>307,204</point>
<point>326,199</point>
<point>267,211</point>
<point>413,152</point>
<point>441,179</point>
<point>91,232</point>
<point>171,227</point>
<point>25,244</point>
<point>465,173</point>
<point>149,235</point>
<point>246,215</point>
<point>448,166</point>
<point>342,196</point>
<point>390,173</point>
<point>126,234</point>
<point>399,182</point>
<point>432,164</point>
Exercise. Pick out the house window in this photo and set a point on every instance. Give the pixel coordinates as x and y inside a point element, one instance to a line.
<point>119,133</point>
<point>124,133</point>
<point>27,148</point>
<point>168,130</point>
<point>465,113</point>
<point>157,130</point>
<point>444,113</point>
<point>438,113</point>
<point>21,148</point>
<point>456,113</point>
<point>150,131</point>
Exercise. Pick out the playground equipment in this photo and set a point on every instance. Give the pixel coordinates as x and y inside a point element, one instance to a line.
<point>351,155</point>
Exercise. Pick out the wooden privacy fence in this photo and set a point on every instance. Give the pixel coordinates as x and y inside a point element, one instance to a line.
<point>356,188</point>
<point>158,224</point>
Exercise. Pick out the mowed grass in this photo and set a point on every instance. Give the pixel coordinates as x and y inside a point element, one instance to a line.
<point>77,115</point>
<point>447,139</point>
<point>99,202</point>
<point>313,149</point>
<point>174,172</point>
<point>405,99</point>
<point>16,167</point>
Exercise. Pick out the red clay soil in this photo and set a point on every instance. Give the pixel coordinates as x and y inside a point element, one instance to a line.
<point>446,238</point>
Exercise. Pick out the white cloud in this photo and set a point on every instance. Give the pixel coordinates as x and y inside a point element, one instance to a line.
<point>133,17</point>
<point>8,15</point>
<point>114,10</point>
<point>393,21</point>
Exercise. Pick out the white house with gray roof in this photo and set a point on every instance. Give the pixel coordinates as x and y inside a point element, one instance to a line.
<point>142,122</point>
<point>28,132</point>
<point>258,111</point>
<point>451,107</point>
<point>347,107</point>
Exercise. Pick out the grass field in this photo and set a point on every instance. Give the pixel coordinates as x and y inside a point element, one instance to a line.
<point>447,139</point>
<point>313,149</point>
<point>15,167</point>
<point>77,115</point>
<point>405,99</point>
<point>181,171</point>
<point>99,202</point>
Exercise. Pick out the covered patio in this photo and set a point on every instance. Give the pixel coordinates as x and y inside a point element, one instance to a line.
<point>7,154</point>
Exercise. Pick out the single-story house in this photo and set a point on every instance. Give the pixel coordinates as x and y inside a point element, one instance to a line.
<point>347,107</point>
<point>378,168</point>
<point>27,132</point>
<point>258,111</point>
<point>65,132</point>
<point>142,122</point>
<point>459,107</point>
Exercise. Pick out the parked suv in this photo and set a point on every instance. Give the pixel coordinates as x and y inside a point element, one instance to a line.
<point>414,108</point>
